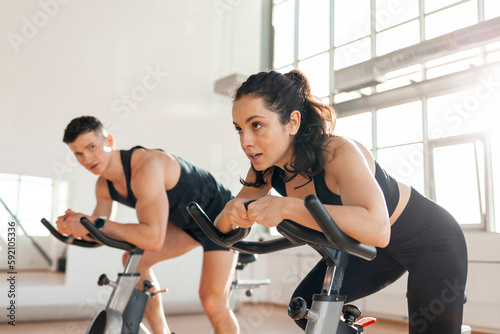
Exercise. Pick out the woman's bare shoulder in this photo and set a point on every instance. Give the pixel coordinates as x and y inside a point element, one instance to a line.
<point>339,148</point>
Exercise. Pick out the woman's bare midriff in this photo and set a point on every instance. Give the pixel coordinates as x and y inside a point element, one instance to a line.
<point>404,197</point>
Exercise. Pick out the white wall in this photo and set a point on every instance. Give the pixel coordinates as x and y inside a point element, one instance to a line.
<point>146,69</point>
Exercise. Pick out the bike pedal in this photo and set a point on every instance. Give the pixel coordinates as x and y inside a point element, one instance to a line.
<point>365,322</point>
<point>153,294</point>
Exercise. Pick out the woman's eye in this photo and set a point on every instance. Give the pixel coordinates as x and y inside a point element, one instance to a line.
<point>238,129</point>
<point>256,126</point>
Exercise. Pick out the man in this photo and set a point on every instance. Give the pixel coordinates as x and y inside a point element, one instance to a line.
<point>159,186</point>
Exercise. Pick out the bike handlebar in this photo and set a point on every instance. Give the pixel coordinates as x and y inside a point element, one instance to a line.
<point>95,233</point>
<point>233,238</point>
<point>68,239</point>
<point>98,235</point>
<point>334,233</point>
<point>295,234</point>
<point>226,239</point>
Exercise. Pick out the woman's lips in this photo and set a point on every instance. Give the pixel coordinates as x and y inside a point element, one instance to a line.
<point>254,157</point>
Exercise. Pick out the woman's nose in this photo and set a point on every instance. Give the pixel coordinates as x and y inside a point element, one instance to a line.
<point>246,139</point>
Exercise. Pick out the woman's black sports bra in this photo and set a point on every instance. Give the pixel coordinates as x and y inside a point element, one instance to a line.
<point>387,183</point>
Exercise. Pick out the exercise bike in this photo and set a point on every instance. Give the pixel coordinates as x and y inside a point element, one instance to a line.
<point>328,313</point>
<point>125,308</point>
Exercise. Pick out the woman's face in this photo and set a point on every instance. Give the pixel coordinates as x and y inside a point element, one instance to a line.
<point>263,138</point>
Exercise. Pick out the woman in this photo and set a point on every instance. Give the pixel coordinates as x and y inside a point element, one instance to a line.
<point>288,136</point>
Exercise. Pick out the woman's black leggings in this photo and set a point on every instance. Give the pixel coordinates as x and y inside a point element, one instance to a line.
<point>427,242</point>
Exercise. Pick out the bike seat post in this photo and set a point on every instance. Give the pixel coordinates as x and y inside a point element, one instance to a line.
<point>326,307</point>
<point>126,282</point>
<point>336,263</point>
<point>133,261</point>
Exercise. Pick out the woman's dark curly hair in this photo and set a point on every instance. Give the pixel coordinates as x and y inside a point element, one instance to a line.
<point>282,94</point>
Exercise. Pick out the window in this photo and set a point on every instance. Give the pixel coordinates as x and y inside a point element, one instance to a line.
<point>401,124</point>
<point>390,13</point>
<point>25,200</point>
<point>319,78</point>
<point>405,163</point>
<point>491,9</point>
<point>349,27</point>
<point>29,198</point>
<point>459,168</point>
<point>353,32</point>
<point>431,107</point>
<point>357,127</point>
<point>465,14</point>
<point>352,53</point>
<point>437,169</point>
<point>284,27</point>
<point>314,38</point>
<point>390,39</point>
<point>458,113</point>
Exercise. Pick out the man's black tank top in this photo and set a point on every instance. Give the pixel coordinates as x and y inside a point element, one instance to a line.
<point>195,184</point>
<point>387,183</point>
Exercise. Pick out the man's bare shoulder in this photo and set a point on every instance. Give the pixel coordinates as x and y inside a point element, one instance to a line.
<point>145,162</point>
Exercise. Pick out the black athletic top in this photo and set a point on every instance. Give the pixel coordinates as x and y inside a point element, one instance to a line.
<point>195,184</point>
<point>387,183</point>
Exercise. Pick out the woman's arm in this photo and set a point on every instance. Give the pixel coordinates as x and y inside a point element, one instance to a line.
<point>235,213</point>
<point>363,215</point>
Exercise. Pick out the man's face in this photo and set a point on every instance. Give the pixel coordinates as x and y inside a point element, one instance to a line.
<point>92,151</point>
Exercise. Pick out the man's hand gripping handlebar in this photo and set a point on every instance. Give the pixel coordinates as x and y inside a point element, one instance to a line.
<point>100,238</point>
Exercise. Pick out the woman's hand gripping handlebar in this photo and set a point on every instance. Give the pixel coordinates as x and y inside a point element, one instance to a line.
<point>295,234</point>
<point>233,238</point>
<point>95,233</point>
<point>223,239</point>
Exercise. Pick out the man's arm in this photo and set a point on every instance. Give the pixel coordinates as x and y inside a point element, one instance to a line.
<point>152,207</point>
<point>105,206</point>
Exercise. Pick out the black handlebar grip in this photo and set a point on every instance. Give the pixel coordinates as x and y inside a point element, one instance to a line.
<point>334,233</point>
<point>68,239</point>
<point>222,239</point>
<point>230,240</point>
<point>247,203</point>
<point>98,235</point>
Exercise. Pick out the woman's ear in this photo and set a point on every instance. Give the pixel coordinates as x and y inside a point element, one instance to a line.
<point>294,124</point>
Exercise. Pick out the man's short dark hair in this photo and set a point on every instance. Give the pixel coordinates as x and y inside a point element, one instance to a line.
<point>81,125</point>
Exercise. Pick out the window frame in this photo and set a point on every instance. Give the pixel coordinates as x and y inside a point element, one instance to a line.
<point>487,213</point>
<point>368,94</point>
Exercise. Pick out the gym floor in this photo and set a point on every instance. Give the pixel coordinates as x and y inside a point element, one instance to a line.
<point>253,319</point>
